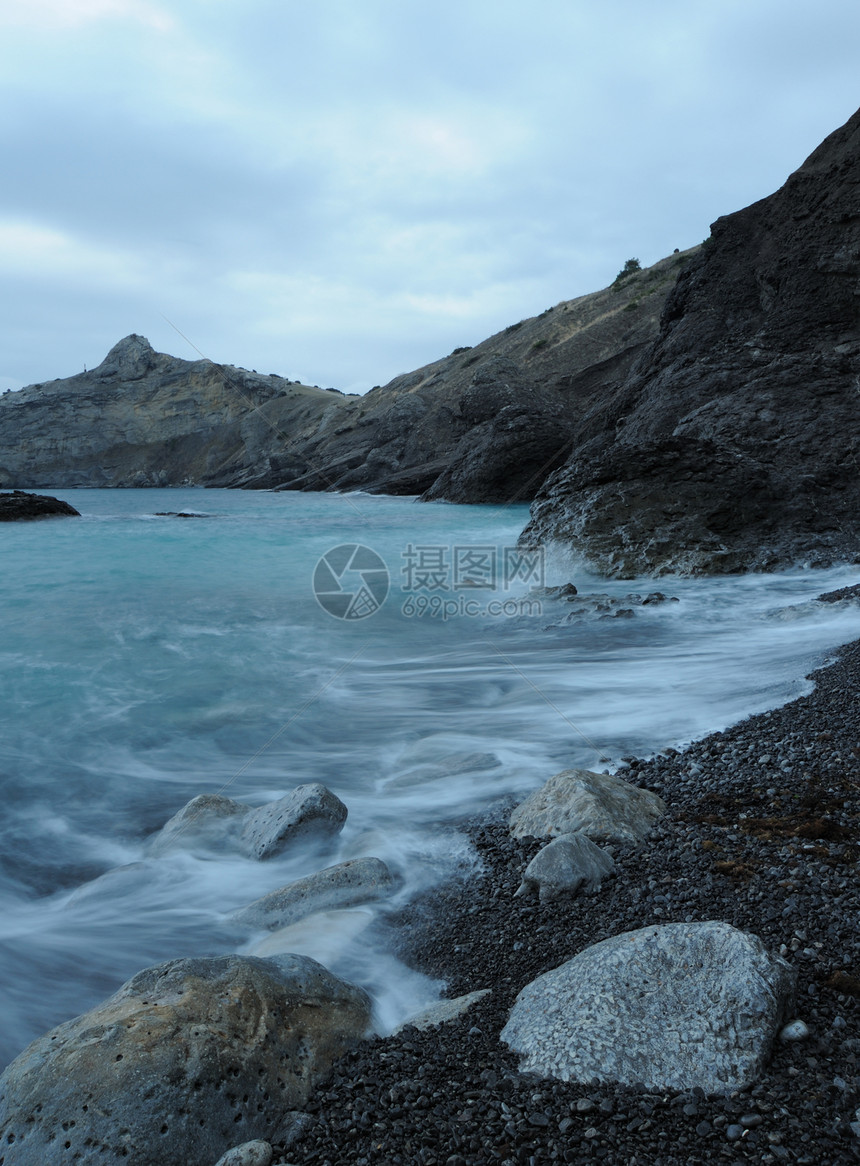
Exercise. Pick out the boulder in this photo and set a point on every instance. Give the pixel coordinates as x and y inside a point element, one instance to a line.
<point>185,1059</point>
<point>18,506</point>
<point>596,804</point>
<point>678,1006</point>
<point>207,818</point>
<point>310,811</point>
<point>564,865</point>
<point>348,884</point>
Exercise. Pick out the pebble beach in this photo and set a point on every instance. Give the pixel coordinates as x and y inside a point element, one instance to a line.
<point>761,833</point>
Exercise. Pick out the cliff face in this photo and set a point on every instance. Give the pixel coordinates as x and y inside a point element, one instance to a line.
<point>487,423</point>
<point>734,442</point>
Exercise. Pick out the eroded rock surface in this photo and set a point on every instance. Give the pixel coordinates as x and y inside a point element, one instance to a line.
<point>680,1006</point>
<point>185,1059</point>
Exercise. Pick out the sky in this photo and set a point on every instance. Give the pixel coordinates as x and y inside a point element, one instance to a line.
<point>339,191</point>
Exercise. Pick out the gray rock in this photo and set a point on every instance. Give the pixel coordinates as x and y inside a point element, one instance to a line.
<point>444,1010</point>
<point>360,880</point>
<point>255,1153</point>
<point>679,1006</point>
<point>310,811</point>
<point>183,1058</point>
<point>794,1030</point>
<point>208,818</point>
<point>597,804</point>
<point>564,865</point>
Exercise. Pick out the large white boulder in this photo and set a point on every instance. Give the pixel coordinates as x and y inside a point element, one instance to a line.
<point>669,1007</point>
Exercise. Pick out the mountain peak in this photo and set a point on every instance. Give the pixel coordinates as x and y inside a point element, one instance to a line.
<point>133,356</point>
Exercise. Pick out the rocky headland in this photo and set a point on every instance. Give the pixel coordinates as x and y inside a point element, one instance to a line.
<point>733,444</point>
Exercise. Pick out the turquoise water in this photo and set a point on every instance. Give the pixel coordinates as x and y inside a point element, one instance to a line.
<point>144,660</point>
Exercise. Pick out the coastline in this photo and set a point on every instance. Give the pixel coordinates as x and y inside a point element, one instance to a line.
<point>761,832</point>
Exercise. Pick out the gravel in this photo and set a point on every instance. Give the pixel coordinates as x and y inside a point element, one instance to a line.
<point>762,832</point>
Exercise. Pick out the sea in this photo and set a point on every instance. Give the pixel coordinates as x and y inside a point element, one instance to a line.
<point>171,643</point>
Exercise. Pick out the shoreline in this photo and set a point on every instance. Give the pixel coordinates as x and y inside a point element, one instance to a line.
<point>761,832</point>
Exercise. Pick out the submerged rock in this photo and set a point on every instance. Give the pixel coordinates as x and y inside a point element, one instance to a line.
<point>208,818</point>
<point>348,884</point>
<point>183,1058</point>
<point>309,811</point>
<point>596,804</point>
<point>19,506</point>
<point>564,865</point>
<point>681,1006</point>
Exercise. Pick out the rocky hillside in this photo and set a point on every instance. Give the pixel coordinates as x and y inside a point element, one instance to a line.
<point>733,444</point>
<point>142,418</point>
<point>487,423</point>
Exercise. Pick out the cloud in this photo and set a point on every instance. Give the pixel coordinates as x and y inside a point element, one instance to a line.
<point>57,15</point>
<point>341,191</point>
<point>35,252</point>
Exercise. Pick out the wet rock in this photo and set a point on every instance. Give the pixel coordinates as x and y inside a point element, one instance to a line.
<point>437,1014</point>
<point>180,1060</point>
<point>679,1006</point>
<point>348,884</point>
<point>566,864</point>
<point>19,506</point>
<point>208,819</point>
<point>309,811</point>
<point>596,804</point>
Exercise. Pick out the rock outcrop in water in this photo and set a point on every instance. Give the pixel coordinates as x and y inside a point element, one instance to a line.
<point>734,444</point>
<point>19,506</point>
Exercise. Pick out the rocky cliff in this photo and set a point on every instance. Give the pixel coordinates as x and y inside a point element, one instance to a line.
<point>733,444</point>
<point>487,423</point>
<point>142,418</point>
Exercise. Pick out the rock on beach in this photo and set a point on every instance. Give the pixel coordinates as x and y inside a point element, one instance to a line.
<point>678,1006</point>
<point>186,1060</point>
<point>603,807</point>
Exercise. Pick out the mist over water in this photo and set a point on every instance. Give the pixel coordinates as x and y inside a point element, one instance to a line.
<point>145,660</point>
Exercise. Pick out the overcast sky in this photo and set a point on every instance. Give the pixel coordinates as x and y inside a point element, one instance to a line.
<point>342,190</point>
